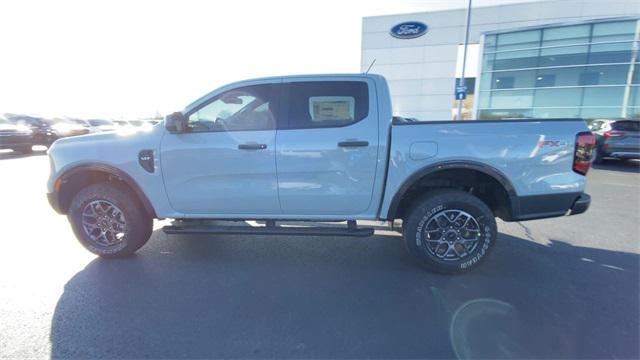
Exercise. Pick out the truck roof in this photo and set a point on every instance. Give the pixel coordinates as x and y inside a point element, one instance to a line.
<point>274,79</point>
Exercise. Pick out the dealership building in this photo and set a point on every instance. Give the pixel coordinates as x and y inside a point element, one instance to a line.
<point>539,59</point>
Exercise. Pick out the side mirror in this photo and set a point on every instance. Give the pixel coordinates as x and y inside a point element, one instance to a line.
<point>176,122</point>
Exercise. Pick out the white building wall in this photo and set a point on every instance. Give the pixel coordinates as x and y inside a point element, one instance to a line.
<point>421,71</point>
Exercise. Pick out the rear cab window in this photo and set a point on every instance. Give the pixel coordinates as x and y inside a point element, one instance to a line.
<point>321,104</point>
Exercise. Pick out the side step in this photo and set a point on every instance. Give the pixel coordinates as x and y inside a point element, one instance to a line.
<point>269,230</point>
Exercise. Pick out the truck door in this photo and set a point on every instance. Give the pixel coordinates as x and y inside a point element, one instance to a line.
<point>327,150</point>
<point>225,163</point>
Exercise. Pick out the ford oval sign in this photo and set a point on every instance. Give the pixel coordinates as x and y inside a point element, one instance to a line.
<point>409,30</point>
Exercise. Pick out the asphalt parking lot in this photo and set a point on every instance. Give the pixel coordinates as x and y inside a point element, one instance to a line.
<point>560,288</point>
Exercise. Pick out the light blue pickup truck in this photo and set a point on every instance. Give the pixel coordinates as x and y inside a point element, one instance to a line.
<point>321,148</point>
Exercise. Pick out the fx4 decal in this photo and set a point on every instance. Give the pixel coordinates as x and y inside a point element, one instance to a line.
<point>551,143</point>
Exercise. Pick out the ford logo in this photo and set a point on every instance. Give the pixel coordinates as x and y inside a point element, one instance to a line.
<point>409,30</point>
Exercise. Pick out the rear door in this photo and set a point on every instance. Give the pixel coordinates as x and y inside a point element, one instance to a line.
<point>327,151</point>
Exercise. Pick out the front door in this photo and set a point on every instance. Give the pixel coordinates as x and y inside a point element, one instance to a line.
<point>225,163</point>
<point>328,150</point>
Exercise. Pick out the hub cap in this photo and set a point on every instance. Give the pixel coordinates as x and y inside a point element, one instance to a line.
<point>451,235</point>
<point>104,223</point>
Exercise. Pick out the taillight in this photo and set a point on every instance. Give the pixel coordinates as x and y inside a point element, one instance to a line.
<point>585,142</point>
<point>612,133</point>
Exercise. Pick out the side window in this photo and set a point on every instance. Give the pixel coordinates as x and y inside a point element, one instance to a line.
<point>317,104</point>
<point>245,108</point>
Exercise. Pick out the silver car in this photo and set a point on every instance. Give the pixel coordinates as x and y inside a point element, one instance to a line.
<point>618,139</point>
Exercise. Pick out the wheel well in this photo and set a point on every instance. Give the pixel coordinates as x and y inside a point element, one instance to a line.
<point>78,180</point>
<point>476,182</point>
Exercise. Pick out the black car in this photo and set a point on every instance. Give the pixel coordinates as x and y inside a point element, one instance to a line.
<point>46,131</point>
<point>15,137</point>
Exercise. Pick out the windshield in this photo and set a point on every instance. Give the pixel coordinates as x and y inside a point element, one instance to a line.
<point>99,122</point>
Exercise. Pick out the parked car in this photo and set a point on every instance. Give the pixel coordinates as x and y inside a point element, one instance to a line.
<point>18,138</point>
<point>141,124</point>
<point>95,125</point>
<point>43,134</point>
<point>320,148</point>
<point>46,131</point>
<point>100,125</point>
<point>617,139</point>
<point>81,122</point>
<point>119,124</point>
<point>64,128</point>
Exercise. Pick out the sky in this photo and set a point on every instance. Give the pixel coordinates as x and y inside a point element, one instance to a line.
<point>133,59</point>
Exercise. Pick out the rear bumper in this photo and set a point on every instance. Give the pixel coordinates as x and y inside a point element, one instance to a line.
<point>552,205</point>
<point>581,204</point>
<point>623,154</point>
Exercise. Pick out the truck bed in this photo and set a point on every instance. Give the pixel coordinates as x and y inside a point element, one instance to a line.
<point>534,159</point>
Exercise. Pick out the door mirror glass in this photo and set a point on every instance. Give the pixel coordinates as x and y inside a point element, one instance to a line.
<point>176,122</point>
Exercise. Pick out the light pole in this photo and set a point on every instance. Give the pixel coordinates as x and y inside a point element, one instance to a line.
<point>461,82</point>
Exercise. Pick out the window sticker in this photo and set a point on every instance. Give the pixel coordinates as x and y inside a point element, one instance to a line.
<point>331,108</point>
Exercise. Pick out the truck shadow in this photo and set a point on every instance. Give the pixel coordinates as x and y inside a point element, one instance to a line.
<point>294,297</point>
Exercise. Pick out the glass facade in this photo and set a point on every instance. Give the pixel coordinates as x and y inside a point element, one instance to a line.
<point>588,70</point>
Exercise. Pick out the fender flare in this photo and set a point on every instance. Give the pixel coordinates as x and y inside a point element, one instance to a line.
<point>456,164</point>
<point>117,173</point>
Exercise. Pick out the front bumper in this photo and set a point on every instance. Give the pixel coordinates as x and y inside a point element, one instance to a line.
<point>11,141</point>
<point>54,201</point>
<point>581,204</point>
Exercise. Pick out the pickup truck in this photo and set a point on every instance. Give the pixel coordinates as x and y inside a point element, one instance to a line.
<point>321,148</point>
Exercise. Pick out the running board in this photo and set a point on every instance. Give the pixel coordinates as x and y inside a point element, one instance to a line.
<point>268,230</point>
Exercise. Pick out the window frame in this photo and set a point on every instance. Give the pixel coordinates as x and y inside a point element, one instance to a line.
<point>278,91</point>
<point>285,105</point>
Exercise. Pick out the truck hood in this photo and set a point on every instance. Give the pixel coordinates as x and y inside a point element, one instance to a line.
<point>118,136</point>
<point>105,147</point>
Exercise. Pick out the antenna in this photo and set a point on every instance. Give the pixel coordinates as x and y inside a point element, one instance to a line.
<point>370,66</point>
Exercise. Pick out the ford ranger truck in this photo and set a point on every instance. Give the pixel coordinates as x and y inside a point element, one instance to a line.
<point>321,148</point>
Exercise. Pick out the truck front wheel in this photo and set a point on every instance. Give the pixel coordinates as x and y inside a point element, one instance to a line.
<point>449,231</point>
<point>107,220</point>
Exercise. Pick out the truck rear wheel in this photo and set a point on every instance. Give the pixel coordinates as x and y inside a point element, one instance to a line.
<point>449,231</point>
<point>108,221</point>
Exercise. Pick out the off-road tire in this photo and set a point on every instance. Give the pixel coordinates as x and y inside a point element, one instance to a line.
<point>432,207</point>
<point>139,225</point>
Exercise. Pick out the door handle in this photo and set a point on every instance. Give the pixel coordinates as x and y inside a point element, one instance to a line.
<point>252,146</point>
<point>353,143</point>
